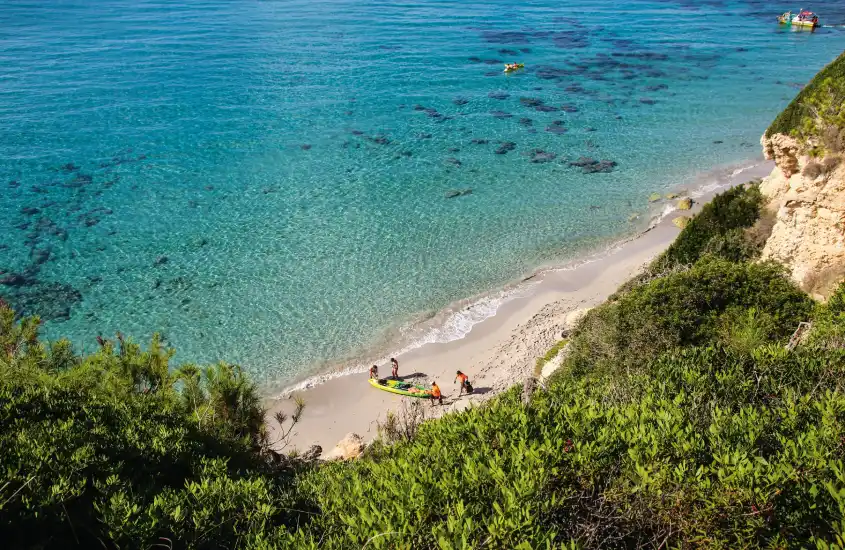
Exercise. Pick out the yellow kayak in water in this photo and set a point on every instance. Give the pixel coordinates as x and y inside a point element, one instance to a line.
<point>511,67</point>
<point>400,387</point>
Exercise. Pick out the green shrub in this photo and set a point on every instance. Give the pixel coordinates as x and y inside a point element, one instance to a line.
<point>745,330</point>
<point>703,448</point>
<point>102,448</point>
<point>716,229</point>
<point>798,117</point>
<point>685,308</point>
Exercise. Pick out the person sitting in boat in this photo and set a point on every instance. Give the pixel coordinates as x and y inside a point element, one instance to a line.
<point>436,395</point>
<point>374,372</point>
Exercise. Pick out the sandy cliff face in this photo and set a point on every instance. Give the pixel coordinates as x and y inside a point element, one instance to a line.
<point>807,197</point>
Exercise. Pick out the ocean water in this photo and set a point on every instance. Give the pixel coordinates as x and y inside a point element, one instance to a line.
<point>266,182</point>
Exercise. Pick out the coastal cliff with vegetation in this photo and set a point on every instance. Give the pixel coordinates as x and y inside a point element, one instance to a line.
<point>702,405</point>
<point>806,191</point>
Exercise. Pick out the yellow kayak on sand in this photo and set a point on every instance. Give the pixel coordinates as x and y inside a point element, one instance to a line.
<point>399,387</point>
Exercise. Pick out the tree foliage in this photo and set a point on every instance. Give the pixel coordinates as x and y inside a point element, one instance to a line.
<point>103,449</point>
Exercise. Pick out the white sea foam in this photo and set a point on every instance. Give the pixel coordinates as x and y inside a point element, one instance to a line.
<point>450,324</point>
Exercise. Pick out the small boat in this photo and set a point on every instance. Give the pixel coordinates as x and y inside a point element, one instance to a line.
<point>400,387</point>
<point>511,67</point>
<point>803,19</point>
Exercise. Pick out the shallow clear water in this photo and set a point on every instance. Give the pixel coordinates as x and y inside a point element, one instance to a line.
<point>265,182</point>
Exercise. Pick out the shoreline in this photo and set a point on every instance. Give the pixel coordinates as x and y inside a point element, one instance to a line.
<point>499,349</point>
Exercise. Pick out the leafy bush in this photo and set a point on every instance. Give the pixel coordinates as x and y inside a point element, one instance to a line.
<point>716,228</point>
<point>822,91</point>
<point>685,308</point>
<point>103,448</point>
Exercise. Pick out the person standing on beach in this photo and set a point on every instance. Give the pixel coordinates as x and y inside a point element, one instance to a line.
<point>463,380</point>
<point>374,372</point>
<point>435,394</point>
<point>395,370</point>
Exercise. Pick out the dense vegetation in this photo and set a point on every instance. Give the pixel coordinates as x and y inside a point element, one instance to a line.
<point>679,419</point>
<point>104,450</point>
<point>818,108</point>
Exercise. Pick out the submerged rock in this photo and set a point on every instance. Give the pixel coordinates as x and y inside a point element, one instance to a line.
<point>17,279</point>
<point>379,140</point>
<point>538,156</point>
<point>40,256</point>
<point>546,108</point>
<point>556,127</point>
<point>50,301</point>
<point>480,141</point>
<point>526,121</point>
<point>498,95</point>
<point>460,101</point>
<point>569,108</point>
<point>452,193</point>
<point>583,161</point>
<point>531,101</point>
<point>603,166</point>
<point>453,161</point>
<point>592,166</point>
<point>654,197</point>
<point>505,147</point>
<point>501,114</point>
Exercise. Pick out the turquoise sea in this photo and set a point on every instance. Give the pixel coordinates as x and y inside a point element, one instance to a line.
<point>266,182</point>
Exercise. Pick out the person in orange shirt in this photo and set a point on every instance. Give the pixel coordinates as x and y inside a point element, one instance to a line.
<point>435,394</point>
<point>463,380</point>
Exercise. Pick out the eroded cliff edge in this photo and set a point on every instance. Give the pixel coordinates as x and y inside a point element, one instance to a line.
<point>807,198</point>
<point>806,190</point>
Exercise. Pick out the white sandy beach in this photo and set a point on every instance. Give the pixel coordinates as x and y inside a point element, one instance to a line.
<point>497,353</point>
